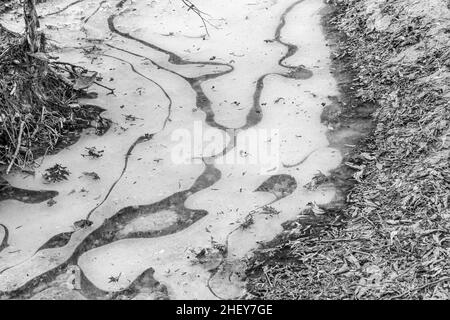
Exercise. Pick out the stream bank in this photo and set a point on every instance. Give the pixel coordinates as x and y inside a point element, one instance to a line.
<point>389,239</point>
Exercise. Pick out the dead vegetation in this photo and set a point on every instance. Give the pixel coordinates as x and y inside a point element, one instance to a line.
<point>39,113</point>
<point>56,173</point>
<point>392,240</point>
<point>38,104</point>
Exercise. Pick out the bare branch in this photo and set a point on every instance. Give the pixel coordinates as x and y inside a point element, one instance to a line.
<point>199,13</point>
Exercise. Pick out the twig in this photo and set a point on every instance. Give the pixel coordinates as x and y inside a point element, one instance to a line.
<point>103,86</point>
<point>5,52</point>
<point>63,9</point>
<point>19,142</point>
<point>267,277</point>
<point>422,287</point>
<point>199,13</point>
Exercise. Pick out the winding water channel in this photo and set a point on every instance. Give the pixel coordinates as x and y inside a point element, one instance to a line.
<point>152,227</point>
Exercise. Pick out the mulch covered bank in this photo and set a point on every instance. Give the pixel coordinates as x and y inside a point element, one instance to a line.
<point>392,239</point>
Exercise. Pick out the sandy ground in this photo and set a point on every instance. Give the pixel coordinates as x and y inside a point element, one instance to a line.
<point>263,71</point>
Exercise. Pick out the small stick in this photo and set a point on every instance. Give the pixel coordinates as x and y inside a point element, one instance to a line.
<point>5,52</point>
<point>103,86</point>
<point>267,278</point>
<point>19,142</point>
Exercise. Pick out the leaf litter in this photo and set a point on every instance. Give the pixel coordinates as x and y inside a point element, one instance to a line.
<point>392,238</point>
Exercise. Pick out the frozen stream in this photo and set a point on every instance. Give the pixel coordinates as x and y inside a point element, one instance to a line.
<point>209,133</point>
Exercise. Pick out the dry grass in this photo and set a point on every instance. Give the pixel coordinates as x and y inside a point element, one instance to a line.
<point>393,241</point>
<point>38,104</point>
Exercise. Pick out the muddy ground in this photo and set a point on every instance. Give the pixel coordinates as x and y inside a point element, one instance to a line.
<point>174,201</point>
<point>139,213</point>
